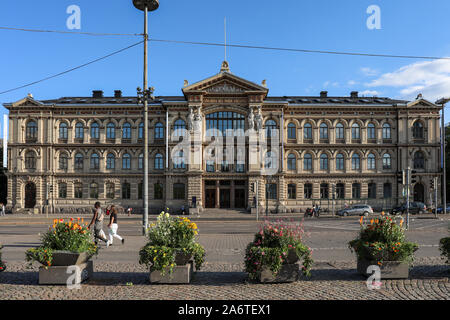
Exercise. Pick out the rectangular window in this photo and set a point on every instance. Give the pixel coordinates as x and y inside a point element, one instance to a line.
<point>308,189</point>
<point>271,191</point>
<point>292,191</point>
<point>158,191</point>
<point>62,190</point>
<point>372,192</point>
<point>78,191</point>
<point>387,191</point>
<point>179,191</point>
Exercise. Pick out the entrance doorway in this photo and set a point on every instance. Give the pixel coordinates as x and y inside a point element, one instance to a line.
<point>30,195</point>
<point>419,193</point>
<point>239,198</point>
<point>210,195</point>
<point>224,198</point>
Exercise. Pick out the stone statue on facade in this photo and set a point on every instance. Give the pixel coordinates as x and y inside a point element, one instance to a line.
<point>251,120</point>
<point>190,119</point>
<point>258,119</point>
<point>198,121</point>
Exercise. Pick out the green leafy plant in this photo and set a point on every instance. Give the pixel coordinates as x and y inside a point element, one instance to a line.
<point>2,264</point>
<point>168,237</point>
<point>72,236</point>
<point>381,240</point>
<point>272,247</point>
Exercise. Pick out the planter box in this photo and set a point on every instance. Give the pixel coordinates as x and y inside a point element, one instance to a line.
<point>67,258</point>
<point>180,275</point>
<point>64,274</point>
<point>287,273</point>
<point>389,269</point>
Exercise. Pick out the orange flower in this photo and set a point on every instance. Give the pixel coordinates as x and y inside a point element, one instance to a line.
<point>361,220</point>
<point>371,221</point>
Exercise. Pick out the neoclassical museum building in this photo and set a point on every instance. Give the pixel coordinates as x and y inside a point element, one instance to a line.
<point>67,153</point>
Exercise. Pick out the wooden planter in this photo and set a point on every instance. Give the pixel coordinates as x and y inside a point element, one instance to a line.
<point>389,269</point>
<point>182,272</point>
<point>67,268</point>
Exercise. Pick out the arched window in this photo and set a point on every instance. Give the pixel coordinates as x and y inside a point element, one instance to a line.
<point>340,131</point>
<point>356,162</point>
<point>126,161</point>
<point>179,128</point>
<point>371,162</point>
<point>340,161</point>
<point>323,162</point>
<point>387,161</point>
<point>178,160</point>
<point>159,162</point>
<point>371,131</point>
<point>159,131</point>
<point>126,190</point>
<point>141,131</point>
<point>110,131</point>
<point>386,131</point>
<point>356,132</point>
<point>63,161</point>
<point>419,160</point>
<point>79,161</point>
<point>323,131</point>
<point>356,190</point>
<point>79,131</point>
<point>31,131</point>
<point>307,162</point>
<point>418,130</point>
<point>292,131</point>
<point>95,131</point>
<point>126,131</point>
<point>292,162</point>
<point>30,160</point>
<point>95,161</point>
<point>110,190</point>
<point>62,190</point>
<point>63,131</point>
<point>141,161</point>
<point>324,194</point>
<point>340,191</point>
<point>93,190</point>
<point>110,161</point>
<point>271,127</point>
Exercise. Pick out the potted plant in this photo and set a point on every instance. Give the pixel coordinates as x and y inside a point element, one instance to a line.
<point>444,247</point>
<point>2,264</point>
<point>64,244</point>
<point>172,249</point>
<point>274,253</point>
<point>382,242</point>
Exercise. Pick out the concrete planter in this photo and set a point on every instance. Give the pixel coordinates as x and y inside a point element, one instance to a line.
<point>67,258</point>
<point>292,256</point>
<point>182,258</point>
<point>182,274</point>
<point>287,273</point>
<point>389,269</point>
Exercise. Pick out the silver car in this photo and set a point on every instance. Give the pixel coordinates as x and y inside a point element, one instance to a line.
<point>356,210</point>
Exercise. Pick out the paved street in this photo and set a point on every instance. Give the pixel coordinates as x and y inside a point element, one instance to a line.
<point>334,274</point>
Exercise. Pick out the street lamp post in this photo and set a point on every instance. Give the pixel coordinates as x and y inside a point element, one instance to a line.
<point>442,102</point>
<point>144,95</point>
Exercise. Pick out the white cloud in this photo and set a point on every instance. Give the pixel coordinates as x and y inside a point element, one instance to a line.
<point>431,78</point>
<point>352,82</point>
<point>367,71</point>
<point>369,93</point>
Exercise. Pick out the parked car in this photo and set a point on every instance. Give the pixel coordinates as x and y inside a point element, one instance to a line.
<point>356,210</point>
<point>414,208</point>
<point>441,209</point>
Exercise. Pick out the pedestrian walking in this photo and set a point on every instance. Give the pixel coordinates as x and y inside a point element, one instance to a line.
<point>129,210</point>
<point>113,227</point>
<point>2,209</point>
<point>97,221</point>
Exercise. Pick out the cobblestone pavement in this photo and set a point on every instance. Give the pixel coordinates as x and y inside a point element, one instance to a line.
<point>429,280</point>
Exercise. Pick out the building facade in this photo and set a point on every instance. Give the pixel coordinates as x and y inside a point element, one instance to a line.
<point>67,153</point>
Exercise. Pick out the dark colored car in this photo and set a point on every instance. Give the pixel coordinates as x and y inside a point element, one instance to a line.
<point>414,208</point>
<point>441,209</point>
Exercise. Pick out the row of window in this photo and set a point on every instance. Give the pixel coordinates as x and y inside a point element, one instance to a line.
<point>179,192</point>
<point>339,189</point>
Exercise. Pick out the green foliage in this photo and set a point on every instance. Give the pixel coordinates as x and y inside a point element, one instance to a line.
<point>167,238</point>
<point>444,247</point>
<point>272,246</point>
<point>383,240</point>
<point>2,264</point>
<point>70,236</point>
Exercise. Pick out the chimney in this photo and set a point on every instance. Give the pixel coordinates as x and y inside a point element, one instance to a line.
<point>117,94</point>
<point>323,94</point>
<point>354,94</point>
<point>97,94</point>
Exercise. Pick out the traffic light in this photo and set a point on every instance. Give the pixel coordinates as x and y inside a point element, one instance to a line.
<point>252,187</point>
<point>413,177</point>
<point>51,188</point>
<point>401,177</point>
<point>432,183</point>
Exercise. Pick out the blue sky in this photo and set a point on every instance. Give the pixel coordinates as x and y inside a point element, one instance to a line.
<point>407,28</point>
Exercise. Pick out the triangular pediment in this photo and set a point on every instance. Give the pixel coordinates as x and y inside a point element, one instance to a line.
<point>27,101</point>
<point>421,103</point>
<point>226,83</point>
